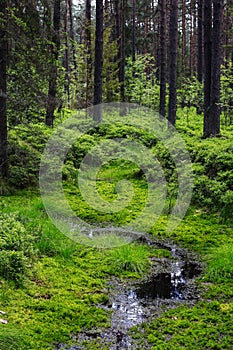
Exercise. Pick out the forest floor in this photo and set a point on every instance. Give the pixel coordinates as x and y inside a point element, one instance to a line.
<point>66,290</point>
<point>67,286</point>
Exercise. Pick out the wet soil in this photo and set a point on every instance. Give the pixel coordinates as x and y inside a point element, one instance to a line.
<point>169,283</point>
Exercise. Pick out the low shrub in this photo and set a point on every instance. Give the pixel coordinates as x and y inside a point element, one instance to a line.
<point>16,249</point>
<point>25,148</point>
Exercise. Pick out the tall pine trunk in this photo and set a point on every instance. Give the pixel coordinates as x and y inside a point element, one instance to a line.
<point>231,57</point>
<point>207,64</point>
<point>98,74</point>
<point>3,87</point>
<point>215,67</point>
<point>226,32</point>
<point>200,52</point>
<point>162,101</point>
<point>183,39</point>
<point>122,59</point>
<point>72,35</point>
<point>88,52</point>
<point>200,42</point>
<point>191,58</point>
<point>133,30</point>
<point>55,47</point>
<point>117,24</point>
<point>67,56</point>
<point>173,47</point>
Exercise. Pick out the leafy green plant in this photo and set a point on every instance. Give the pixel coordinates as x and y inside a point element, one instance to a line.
<point>25,147</point>
<point>13,265</point>
<point>227,93</point>
<point>16,249</point>
<point>140,83</point>
<point>227,205</point>
<point>191,94</point>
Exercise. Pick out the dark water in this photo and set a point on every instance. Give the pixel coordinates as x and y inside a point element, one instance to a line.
<point>134,303</point>
<point>161,286</point>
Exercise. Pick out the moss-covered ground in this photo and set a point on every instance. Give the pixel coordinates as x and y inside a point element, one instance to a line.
<point>66,282</point>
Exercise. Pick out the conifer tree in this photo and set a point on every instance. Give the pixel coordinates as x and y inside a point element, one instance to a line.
<point>98,73</point>
<point>173,47</point>
<point>55,47</point>
<point>3,91</point>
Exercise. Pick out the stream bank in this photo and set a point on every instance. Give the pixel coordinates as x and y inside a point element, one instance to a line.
<point>171,281</point>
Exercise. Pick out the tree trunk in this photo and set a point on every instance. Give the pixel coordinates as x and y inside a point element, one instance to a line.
<point>66,63</point>
<point>122,61</point>
<point>183,39</point>
<point>72,33</point>
<point>191,40</point>
<point>98,78</point>
<point>231,57</point>
<point>146,30</point>
<point>194,50</point>
<point>88,52</point>
<point>117,21</point>
<point>226,31</point>
<point>55,47</point>
<point>3,87</point>
<point>133,31</point>
<point>107,14</point>
<point>207,58</point>
<point>106,6</point>
<point>215,68</point>
<point>156,44</point>
<point>200,43</point>
<point>173,44</point>
<point>162,102</point>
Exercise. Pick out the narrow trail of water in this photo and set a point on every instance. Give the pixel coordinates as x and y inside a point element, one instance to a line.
<point>133,303</point>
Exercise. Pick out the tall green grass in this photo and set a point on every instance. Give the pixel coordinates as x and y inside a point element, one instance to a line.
<point>11,338</point>
<point>131,258</point>
<point>220,263</point>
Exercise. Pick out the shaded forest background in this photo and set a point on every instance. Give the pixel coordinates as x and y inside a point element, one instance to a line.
<point>165,55</point>
<point>57,59</point>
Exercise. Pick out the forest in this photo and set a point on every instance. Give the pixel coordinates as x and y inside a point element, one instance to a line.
<point>116,174</point>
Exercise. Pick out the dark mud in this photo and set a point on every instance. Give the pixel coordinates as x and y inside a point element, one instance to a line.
<point>170,282</point>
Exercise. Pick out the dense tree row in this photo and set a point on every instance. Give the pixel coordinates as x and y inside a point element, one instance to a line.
<point>56,54</point>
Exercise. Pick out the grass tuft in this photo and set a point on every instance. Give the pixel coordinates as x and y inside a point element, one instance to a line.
<point>130,258</point>
<point>220,263</point>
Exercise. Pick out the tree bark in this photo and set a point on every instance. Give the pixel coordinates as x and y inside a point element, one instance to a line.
<point>173,46</point>
<point>117,21</point>
<point>215,67</point>
<point>72,32</point>
<point>156,43</point>
<point>231,57</point>
<point>183,39</point>
<point>88,52</point>
<point>226,32</point>
<point>67,65</point>
<point>200,43</point>
<point>122,59</point>
<point>162,101</point>
<point>3,89</point>
<point>207,64</point>
<point>191,58</point>
<point>55,47</point>
<point>98,78</point>
<point>133,31</point>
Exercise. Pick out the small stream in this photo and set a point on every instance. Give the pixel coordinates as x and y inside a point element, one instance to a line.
<point>170,282</point>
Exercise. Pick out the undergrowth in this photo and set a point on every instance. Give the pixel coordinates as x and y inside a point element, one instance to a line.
<point>63,282</point>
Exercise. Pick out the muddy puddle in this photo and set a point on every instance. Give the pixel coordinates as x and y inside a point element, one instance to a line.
<point>171,281</point>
